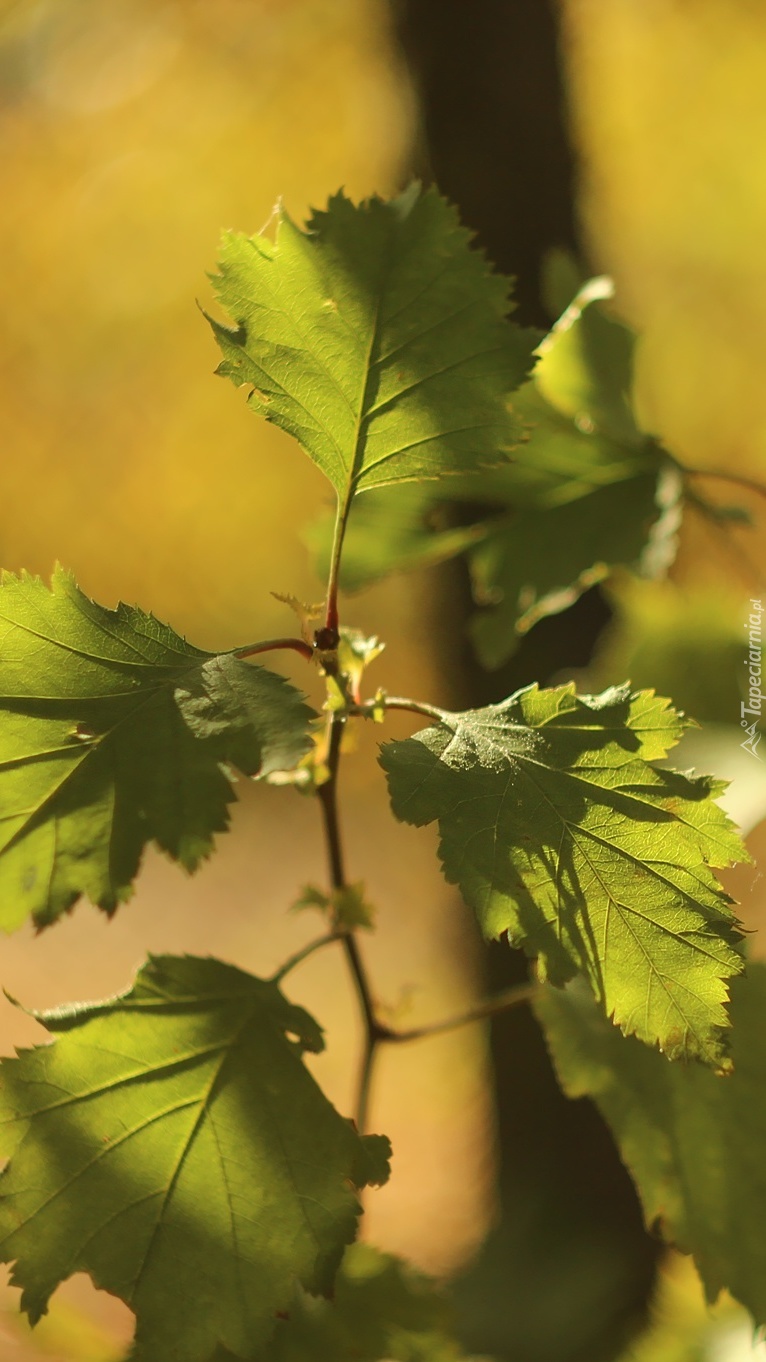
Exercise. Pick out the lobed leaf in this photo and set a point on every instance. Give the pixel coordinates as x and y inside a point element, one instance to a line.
<point>381,1308</point>
<point>597,490</point>
<point>693,1142</point>
<point>115,733</point>
<point>562,833</point>
<point>377,338</point>
<point>537,561</point>
<point>587,490</point>
<point>173,1145</point>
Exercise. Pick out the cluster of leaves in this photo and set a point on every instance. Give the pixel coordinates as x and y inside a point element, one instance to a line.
<point>586,490</point>
<point>171,1141</point>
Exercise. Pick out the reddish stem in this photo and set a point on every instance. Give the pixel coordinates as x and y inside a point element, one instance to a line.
<point>270,645</point>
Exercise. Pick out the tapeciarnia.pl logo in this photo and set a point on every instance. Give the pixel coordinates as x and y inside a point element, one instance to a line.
<point>753,662</point>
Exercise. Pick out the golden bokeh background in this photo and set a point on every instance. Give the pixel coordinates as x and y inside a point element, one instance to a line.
<point>130,133</point>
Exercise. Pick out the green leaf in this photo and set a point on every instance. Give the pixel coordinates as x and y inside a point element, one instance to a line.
<point>561,832</point>
<point>377,338</point>
<point>586,491</point>
<point>693,1142</point>
<point>356,652</point>
<point>172,1144</point>
<point>114,734</point>
<point>348,907</point>
<point>585,371</point>
<point>392,529</point>
<point>596,490</point>
<point>584,432</point>
<point>686,638</point>
<point>539,560</point>
<point>381,1308</point>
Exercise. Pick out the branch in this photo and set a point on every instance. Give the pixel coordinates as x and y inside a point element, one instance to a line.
<point>273,644</point>
<point>744,562</point>
<point>490,1007</point>
<point>303,954</point>
<point>751,484</point>
<point>374,1031</point>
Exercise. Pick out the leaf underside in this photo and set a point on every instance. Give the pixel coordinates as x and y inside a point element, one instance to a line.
<point>172,1144</point>
<point>561,832</point>
<point>377,338</point>
<point>693,1142</point>
<point>115,732</point>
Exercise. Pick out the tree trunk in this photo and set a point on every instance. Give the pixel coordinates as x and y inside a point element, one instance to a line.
<point>568,1272</point>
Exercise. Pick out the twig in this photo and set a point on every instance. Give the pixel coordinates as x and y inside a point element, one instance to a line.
<point>744,562</point>
<point>374,1030</point>
<point>269,645</point>
<point>490,1007</point>
<point>751,484</point>
<point>303,954</point>
<point>414,707</point>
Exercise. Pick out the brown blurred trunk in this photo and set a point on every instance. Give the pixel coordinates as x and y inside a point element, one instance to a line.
<point>493,133</point>
<point>568,1273</point>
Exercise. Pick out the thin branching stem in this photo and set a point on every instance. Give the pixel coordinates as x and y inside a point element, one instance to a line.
<point>303,954</point>
<point>377,1031</point>
<point>414,706</point>
<point>374,1030</point>
<point>744,562</point>
<point>270,645</point>
<point>368,708</point>
<point>738,479</point>
<point>488,1007</point>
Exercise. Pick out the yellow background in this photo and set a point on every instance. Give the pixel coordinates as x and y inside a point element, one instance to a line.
<point>130,133</point>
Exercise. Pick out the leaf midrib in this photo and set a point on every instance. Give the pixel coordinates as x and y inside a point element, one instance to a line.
<point>96,657</point>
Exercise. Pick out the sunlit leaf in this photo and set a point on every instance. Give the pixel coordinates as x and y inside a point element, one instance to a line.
<point>172,1144</point>
<point>586,491</point>
<point>381,1308</point>
<point>596,489</point>
<point>114,733</point>
<point>562,833</point>
<point>692,1141</point>
<point>377,338</point>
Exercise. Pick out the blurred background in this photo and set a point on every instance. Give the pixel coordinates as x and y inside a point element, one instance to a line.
<point>632,134</point>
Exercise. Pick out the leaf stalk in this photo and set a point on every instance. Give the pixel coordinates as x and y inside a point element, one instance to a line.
<point>339,533</point>
<point>488,1007</point>
<point>303,954</point>
<point>270,645</point>
<point>367,709</point>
